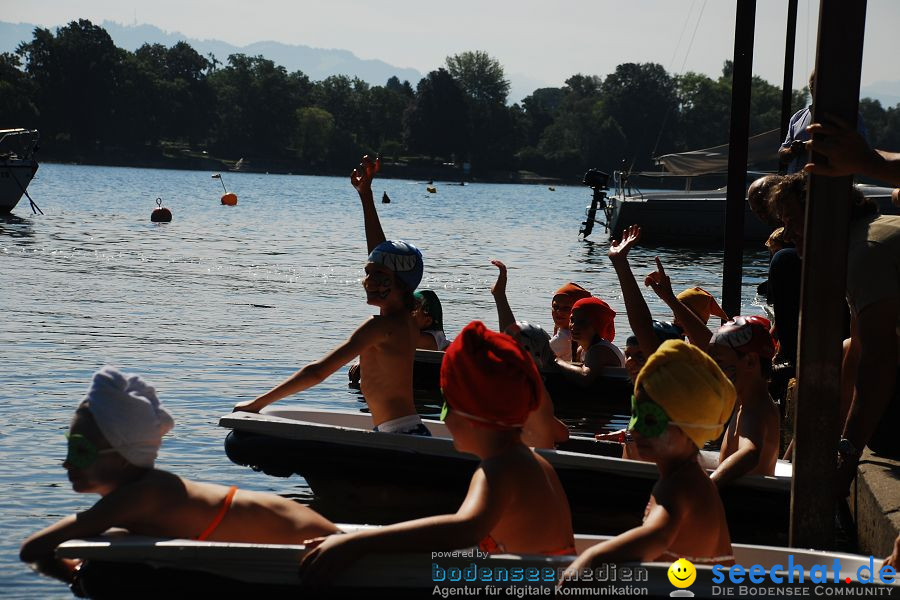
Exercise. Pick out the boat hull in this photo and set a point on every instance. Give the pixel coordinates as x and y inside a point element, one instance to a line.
<point>697,218</point>
<point>15,175</point>
<point>123,566</point>
<point>354,471</point>
<point>610,393</point>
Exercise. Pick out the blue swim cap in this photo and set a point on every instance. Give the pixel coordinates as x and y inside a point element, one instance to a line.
<point>402,258</point>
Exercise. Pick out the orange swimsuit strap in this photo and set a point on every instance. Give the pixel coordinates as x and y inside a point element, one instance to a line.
<point>221,514</point>
<point>490,545</point>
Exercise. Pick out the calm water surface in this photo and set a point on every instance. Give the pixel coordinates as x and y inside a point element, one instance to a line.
<point>224,302</point>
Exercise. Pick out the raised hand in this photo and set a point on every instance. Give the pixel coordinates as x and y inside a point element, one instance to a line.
<point>499,287</point>
<point>846,150</point>
<point>618,250</point>
<point>362,176</point>
<point>659,282</point>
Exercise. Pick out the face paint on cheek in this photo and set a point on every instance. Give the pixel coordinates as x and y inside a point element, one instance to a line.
<point>378,285</point>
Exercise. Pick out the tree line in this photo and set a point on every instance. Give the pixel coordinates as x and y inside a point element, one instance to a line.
<point>86,95</point>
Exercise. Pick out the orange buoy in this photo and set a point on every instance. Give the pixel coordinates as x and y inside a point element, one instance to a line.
<point>160,214</point>
<point>229,199</point>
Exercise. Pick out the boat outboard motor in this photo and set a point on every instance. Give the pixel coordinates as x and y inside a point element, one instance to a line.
<point>597,180</point>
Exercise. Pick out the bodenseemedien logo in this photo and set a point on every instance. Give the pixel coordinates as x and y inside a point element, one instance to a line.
<point>682,574</point>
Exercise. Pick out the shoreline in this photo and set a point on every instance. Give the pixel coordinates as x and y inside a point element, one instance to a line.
<point>390,169</point>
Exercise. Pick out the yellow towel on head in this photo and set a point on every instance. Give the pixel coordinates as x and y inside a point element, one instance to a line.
<point>690,387</point>
<point>701,303</point>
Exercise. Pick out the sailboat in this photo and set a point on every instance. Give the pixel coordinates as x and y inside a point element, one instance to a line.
<point>17,165</point>
<point>692,217</point>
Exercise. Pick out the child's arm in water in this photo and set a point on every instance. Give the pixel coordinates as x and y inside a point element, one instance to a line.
<point>361,178</point>
<point>695,329</point>
<point>112,510</point>
<point>498,291</point>
<point>368,334</point>
<point>644,543</point>
<point>481,510</point>
<point>639,316</point>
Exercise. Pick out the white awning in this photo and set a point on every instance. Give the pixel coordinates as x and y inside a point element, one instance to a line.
<point>760,148</point>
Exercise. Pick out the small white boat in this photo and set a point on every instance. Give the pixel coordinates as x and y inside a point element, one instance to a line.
<point>17,165</point>
<point>345,462</point>
<point>118,566</point>
<point>691,217</point>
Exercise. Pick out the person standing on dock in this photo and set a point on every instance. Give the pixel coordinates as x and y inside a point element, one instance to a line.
<point>873,295</point>
<point>385,343</point>
<point>793,152</point>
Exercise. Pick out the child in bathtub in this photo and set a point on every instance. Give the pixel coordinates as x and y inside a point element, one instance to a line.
<point>681,400</point>
<point>113,441</point>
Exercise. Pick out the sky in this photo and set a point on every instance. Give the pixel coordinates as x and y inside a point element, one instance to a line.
<point>544,41</point>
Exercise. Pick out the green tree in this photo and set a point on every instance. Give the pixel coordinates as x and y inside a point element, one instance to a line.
<point>437,121</point>
<point>313,134</point>
<point>540,109</point>
<point>16,91</point>
<point>640,99</point>
<point>480,76</point>
<point>256,107</point>
<point>75,73</point>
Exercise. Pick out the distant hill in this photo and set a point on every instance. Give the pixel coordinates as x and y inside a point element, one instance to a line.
<point>318,63</point>
<point>887,92</point>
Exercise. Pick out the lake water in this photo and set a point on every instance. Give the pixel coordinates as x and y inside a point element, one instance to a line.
<point>224,302</point>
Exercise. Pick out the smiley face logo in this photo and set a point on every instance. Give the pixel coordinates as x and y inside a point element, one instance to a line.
<point>682,573</point>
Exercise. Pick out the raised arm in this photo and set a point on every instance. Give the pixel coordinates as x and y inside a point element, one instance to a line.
<point>696,330</point>
<point>361,178</point>
<point>477,516</point>
<point>314,373</point>
<point>498,290</point>
<point>639,316</point>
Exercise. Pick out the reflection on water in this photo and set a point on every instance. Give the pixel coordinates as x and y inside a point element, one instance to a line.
<point>14,226</point>
<point>224,302</point>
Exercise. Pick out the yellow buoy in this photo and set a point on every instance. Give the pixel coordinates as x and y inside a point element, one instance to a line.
<point>229,199</point>
<point>431,189</point>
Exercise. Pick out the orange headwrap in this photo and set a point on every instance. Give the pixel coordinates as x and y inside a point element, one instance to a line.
<point>603,318</point>
<point>701,303</point>
<point>487,378</point>
<point>573,291</point>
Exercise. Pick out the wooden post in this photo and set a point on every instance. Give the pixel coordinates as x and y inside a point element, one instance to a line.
<point>745,23</point>
<point>816,426</point>
<point>787,87</point>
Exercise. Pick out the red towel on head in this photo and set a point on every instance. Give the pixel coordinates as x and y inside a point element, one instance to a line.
<point>573,291</point>
<point>602,317</point>
<point>488,376</point>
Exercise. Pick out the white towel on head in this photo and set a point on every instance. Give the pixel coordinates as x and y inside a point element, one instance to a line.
<point>128,414</point>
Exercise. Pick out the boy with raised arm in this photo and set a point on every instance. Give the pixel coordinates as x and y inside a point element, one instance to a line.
<point>385,343</point>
